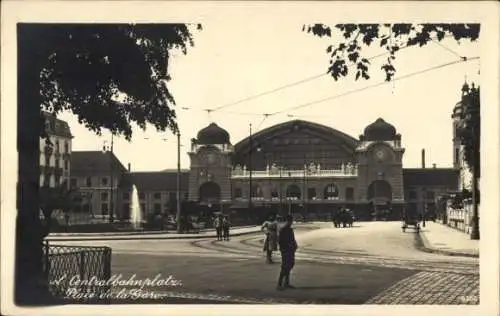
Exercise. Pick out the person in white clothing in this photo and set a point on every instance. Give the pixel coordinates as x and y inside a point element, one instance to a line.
<point>270,227</point>
<point>218,226</point>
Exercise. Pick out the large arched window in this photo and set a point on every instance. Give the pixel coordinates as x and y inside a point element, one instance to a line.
<point>238,193</point>
<point>209,192</point>
<point>380,189</point>
<point>331,192</point>
<point>293,192</point>
<point>275,193</point>
<point>257,191</point>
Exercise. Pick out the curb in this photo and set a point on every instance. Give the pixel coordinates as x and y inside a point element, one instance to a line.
<point>423,244</point>
<point>135,237</point>
<point>132,233</point>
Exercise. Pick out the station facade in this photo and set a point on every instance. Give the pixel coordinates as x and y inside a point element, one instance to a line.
<point>307,168</point>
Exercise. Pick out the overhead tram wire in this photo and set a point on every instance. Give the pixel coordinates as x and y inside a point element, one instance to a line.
<point>266,115</point>
<point>464,58</point>
<point>269,91</point>
<point>304,116</point>
<point>376,85</point>
<point>227,112</point>
<point>449,49</point>
<point>218,108</point>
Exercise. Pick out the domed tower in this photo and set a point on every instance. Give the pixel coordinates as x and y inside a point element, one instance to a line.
<point>213,134</point>
<point>456,119</point>
<point>211,163</point>
<point>458,160</point>
<point>380,169</point>
<point>380,130</point>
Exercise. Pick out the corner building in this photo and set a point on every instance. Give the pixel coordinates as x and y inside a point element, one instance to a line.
<point>311,169</point>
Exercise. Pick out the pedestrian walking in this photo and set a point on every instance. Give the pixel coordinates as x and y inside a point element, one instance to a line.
<point>288,247</point>
<point>225,228</point>
<point>218,227</point>
<point>270,227</point>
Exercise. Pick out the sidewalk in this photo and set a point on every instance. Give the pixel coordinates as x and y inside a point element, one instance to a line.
<point>208,233</point>
<point>439,238</point>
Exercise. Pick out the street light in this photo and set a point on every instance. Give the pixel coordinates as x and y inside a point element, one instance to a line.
<point>305,188</point>
<point>178,193</point>
<point>250,193</point>
<point>178,180</point>
<point>281,166</point>
<point>111,184</point>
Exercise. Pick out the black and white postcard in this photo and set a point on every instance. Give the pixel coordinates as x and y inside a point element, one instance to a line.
<point>164,157</point>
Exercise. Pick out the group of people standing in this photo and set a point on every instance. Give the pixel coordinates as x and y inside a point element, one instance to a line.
<point>283,239</point>
<point>343,218</point>
<point>222,227</point>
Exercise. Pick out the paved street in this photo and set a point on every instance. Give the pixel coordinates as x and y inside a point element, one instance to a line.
<point>371,263</point>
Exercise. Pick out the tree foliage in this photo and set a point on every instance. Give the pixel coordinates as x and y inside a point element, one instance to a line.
<point>469,128</point>
<point>391,37</point>
<point>109,75</point>
<point>57,198</point>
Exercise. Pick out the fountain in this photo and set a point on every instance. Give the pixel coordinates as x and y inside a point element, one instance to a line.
<point>135,209</point>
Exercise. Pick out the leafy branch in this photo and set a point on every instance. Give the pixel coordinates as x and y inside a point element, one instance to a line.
<point>391,37</point>
<point>109,75</point>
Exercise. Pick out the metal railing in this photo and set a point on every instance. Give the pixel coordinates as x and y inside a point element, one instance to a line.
<point>78,274</point>
<point>285,173</point>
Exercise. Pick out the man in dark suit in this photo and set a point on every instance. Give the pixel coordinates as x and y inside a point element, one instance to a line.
<point>287,246</point>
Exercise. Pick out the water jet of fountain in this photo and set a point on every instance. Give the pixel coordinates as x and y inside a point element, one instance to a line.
<point>135,209</point>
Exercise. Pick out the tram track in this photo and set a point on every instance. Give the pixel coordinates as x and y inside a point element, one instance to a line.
<point>252,245</point>
<point>214,246</point>
<point>325,256</point>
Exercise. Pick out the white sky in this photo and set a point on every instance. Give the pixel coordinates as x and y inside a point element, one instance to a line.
<point>222,68</point>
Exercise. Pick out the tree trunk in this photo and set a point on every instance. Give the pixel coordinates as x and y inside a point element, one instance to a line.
<point>29,229</point>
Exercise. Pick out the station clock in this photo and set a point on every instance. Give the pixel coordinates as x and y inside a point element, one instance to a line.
<point>381,154</point>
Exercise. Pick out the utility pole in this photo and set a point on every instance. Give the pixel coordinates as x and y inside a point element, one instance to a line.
<point>305,191</point>
<point>375,209</point>
<point>178,193</point>
<point>250,170</point>
<point>281,189</point>
<point>111,168</point>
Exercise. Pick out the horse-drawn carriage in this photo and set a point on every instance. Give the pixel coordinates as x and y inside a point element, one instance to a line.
<point>343,218</point>
<point>410,219</point>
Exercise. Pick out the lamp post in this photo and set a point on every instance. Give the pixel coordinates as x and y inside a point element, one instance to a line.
<point>178,191</point>
<point>281,189</point>
<point>424,205</point>
<point>281,167</point>
<point>111,176</point>
<point>250,193</point>
<point>304,186</point>
<point>178,181</point>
